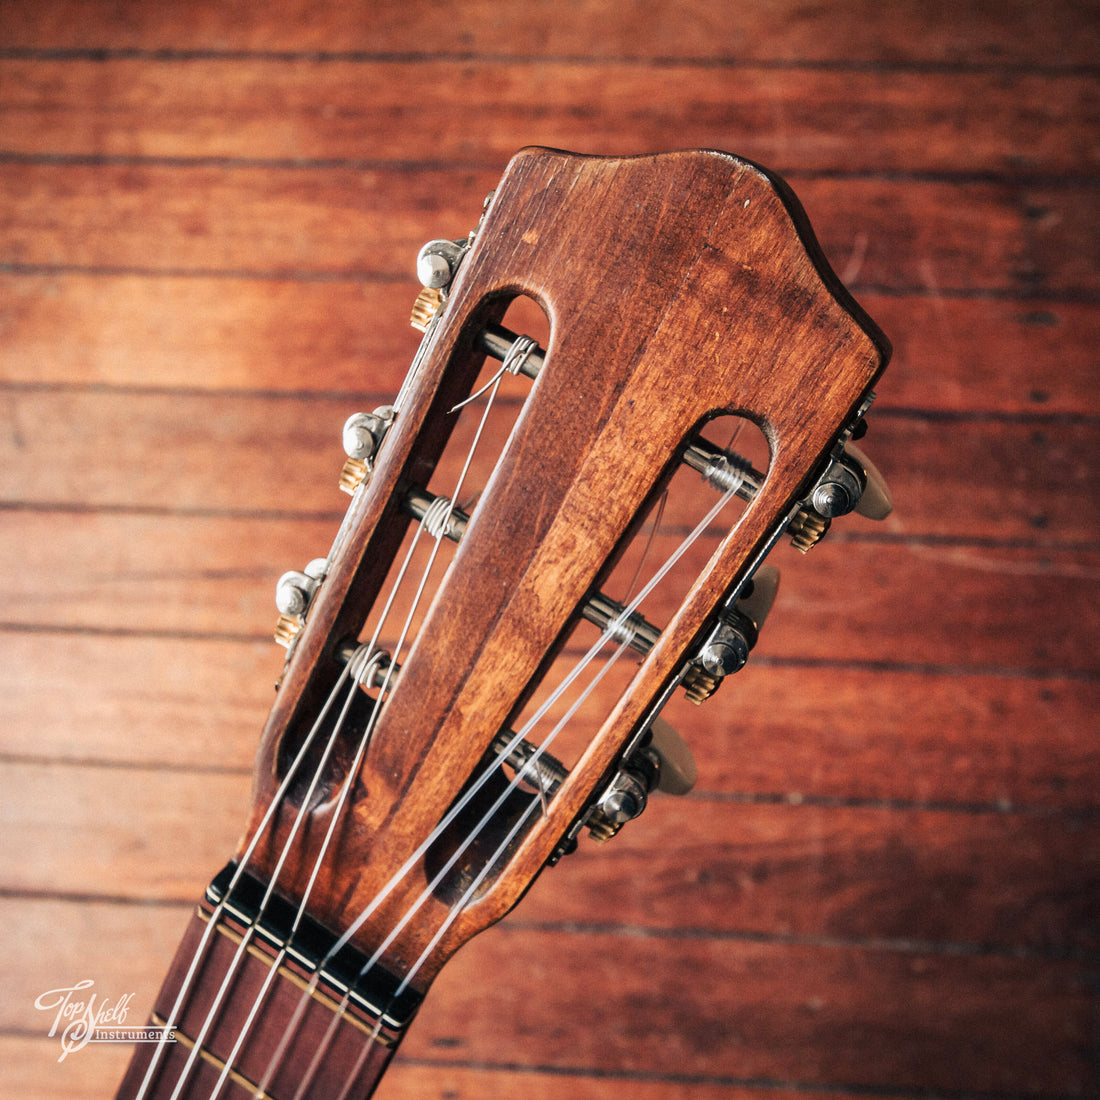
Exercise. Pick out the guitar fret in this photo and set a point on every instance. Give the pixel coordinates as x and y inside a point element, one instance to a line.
<point>218,1064</point>
<point>295,978</point>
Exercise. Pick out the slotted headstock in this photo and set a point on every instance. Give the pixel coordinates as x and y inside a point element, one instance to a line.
<point>678,289</point>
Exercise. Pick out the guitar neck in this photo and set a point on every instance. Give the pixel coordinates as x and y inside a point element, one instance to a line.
<point>269,1010</point>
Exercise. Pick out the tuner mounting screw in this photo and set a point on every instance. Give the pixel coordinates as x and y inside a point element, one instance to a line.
<point>620,806</point>
<point>838,492</point>
<point>726,652</point>
<point>832,499</point>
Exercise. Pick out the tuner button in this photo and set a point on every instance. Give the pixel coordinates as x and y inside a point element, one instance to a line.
<point>361,434</point>
<point>438,261</point>
<point>433,270</point>
<point>292,593</point>
<point>758,603</point>
<point>425,308</point>
<point>876,502</point>
<point>676,769</point>
<point>316,569</point>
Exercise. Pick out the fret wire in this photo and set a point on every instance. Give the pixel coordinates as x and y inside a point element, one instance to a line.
<point>185,988</point>
<point>235,1076</point>
<point>216,1005</point>
<point>348,1010</point>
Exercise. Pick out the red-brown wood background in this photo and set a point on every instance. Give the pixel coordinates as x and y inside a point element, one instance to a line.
<point>888,881</point>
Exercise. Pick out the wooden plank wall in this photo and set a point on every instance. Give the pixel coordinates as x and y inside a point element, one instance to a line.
<point>887,882</point>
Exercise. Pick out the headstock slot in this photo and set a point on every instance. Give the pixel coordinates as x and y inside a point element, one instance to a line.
<point>519,315</point>
<point>382,609</point>
<point>678,503</point>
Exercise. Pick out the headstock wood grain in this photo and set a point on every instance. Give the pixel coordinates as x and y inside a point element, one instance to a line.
<point>407,794</point>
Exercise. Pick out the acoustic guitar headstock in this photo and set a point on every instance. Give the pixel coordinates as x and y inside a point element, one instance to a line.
<point>497,587</point>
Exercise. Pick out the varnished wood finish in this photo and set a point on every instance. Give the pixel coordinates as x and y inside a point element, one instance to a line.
<point>678,287</point>
<point>884,885</point>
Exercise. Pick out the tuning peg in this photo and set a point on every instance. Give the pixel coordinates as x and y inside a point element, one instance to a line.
<point>676,770</point>
<point>727,648</point>
<point>362,436</point>
<point>876,501</point>
<point>293,595</point>
<point>663,763</point>
<point>437,262</point>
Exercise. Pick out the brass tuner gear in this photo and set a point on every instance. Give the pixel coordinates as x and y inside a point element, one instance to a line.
<point>600,830</point>
<point>699,685</point>
<point>286,629</point>
<point>807,529</point>
<point>353,475</point>
<point>425,308</point>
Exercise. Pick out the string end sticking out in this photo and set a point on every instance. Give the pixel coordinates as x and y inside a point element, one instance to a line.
<point>521,350</point>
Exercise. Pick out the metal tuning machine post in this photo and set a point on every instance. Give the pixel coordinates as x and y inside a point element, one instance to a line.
<point>294,593</point>
<point>661,761</point>
<point>362,436</point>
<point>726,649</point>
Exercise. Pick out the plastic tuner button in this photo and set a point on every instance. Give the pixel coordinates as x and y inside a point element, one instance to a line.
<point>757,604</point>
<point>676,772</point>
<point>876,501</point>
